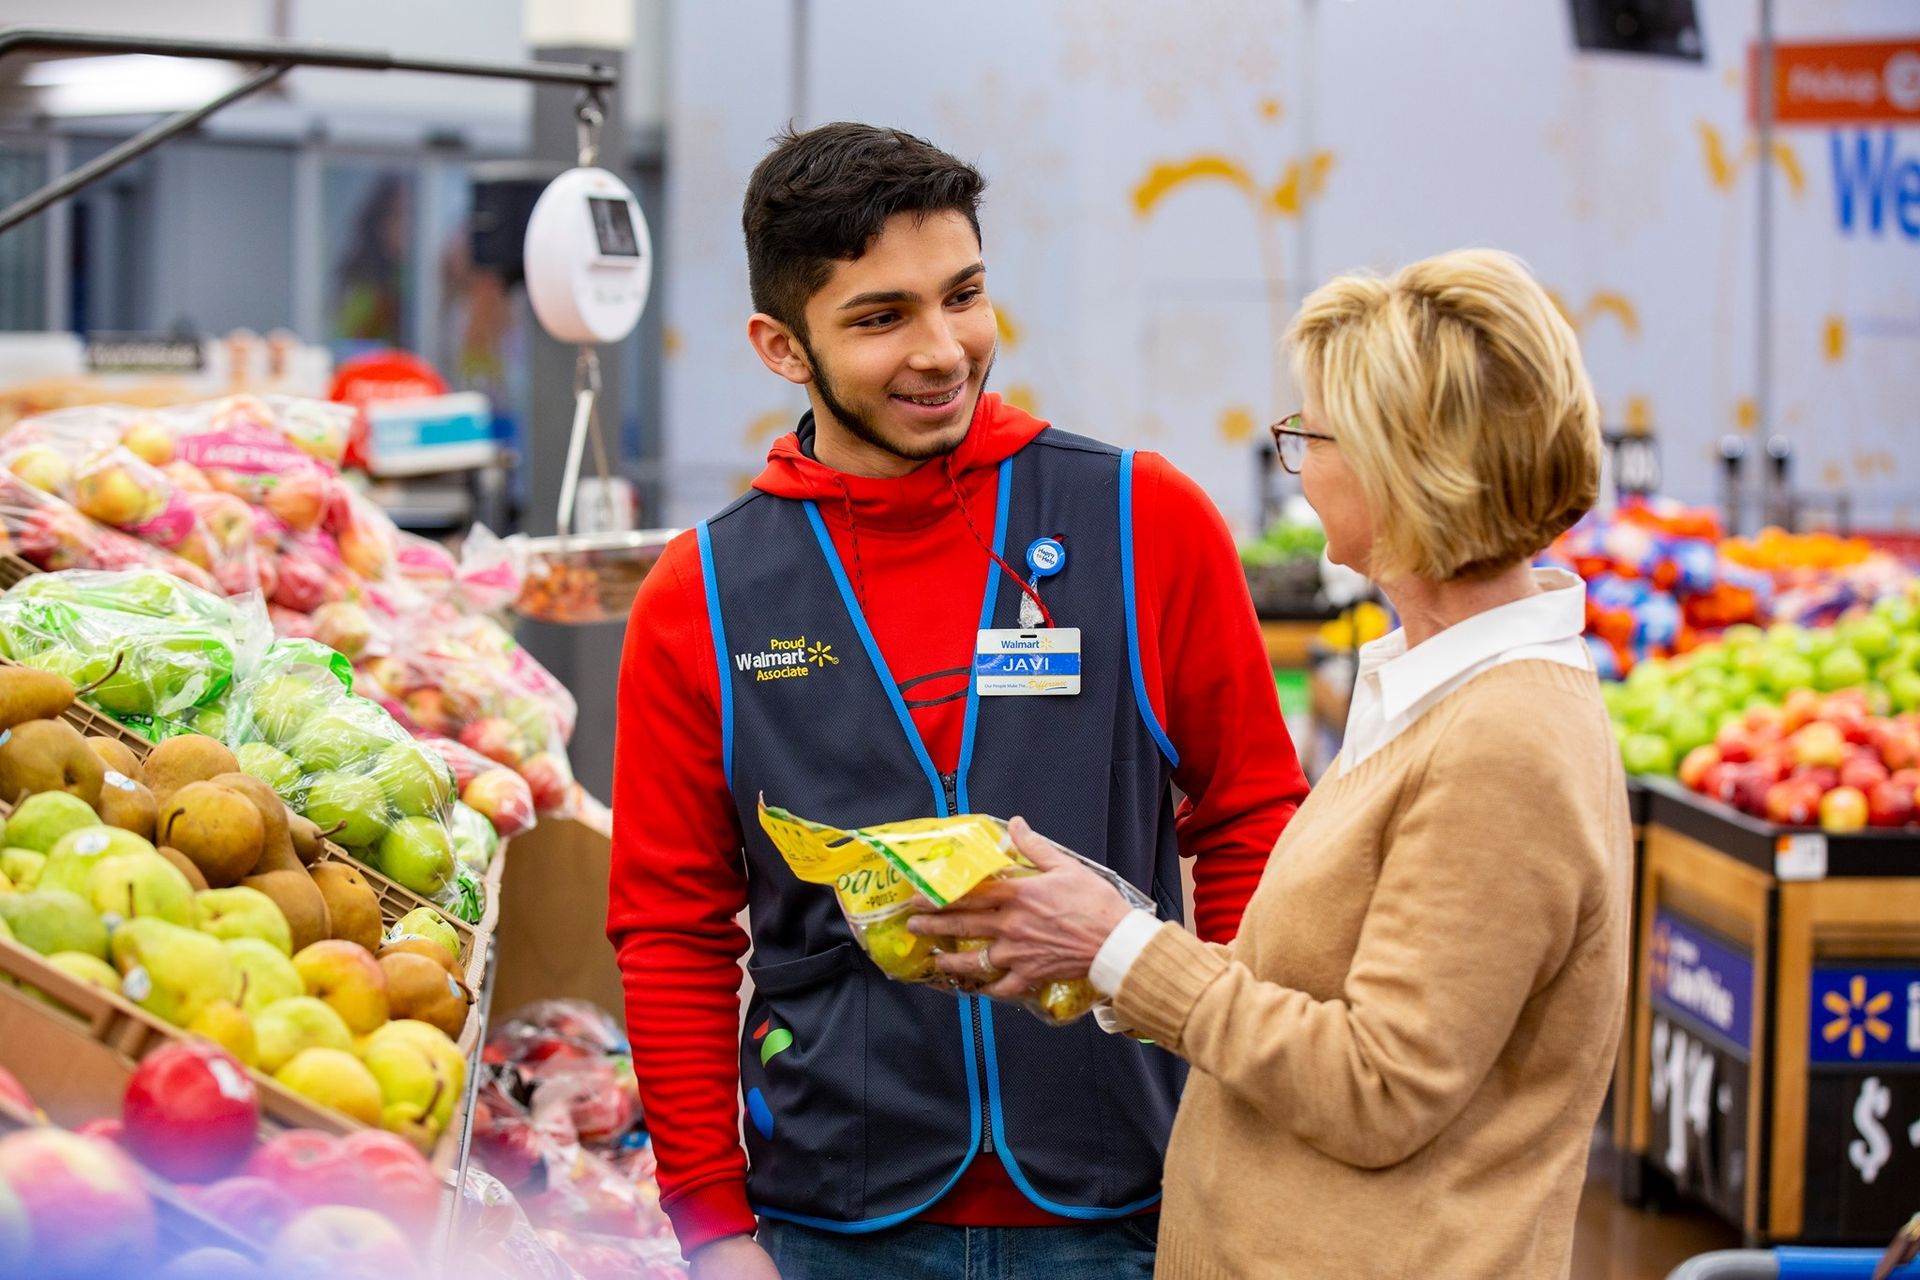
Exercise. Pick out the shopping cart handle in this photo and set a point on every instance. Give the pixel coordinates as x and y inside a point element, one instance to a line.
<point>1836,1264</point>
<point>1787,1264</point>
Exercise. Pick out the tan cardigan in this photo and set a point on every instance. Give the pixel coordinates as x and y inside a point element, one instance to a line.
<point>1398,1063</point>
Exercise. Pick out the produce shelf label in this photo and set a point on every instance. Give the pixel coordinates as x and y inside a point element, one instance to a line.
<point>1703,980</point>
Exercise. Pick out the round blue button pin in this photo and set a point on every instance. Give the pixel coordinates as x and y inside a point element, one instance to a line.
<point>1046,557</point>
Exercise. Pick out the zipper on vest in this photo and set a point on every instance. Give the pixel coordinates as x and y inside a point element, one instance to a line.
<point>950,783</point>
<point>979,1013</point>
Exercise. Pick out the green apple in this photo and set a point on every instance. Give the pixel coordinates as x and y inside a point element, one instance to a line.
<point>533,717</point>
<point>126,886</point>
<point>271,765</point>
<point>241,912</point>
<point>23,866</point>
<point>338,737</point>
<point>50,920</point>
<point>287,1027</point>
<point>267,976</point>
<point>425,922</point>
<point>42,819</point>
<point>281,704</point>
<point>172,972</point>
<point>1787,672</point>
<point>415,780</point>
<point>210,721</point>
<point>1903,687</point>
<point>1647,753</point>
<point>1871,637</point>
<point>86,968</point>
<point>1841,669</point>
<point>417,854</point>
<point>70,863</point>
<point>334,798</point>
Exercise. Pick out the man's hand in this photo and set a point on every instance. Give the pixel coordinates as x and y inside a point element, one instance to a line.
<point>1043,928</point>
<point>732,1258</point>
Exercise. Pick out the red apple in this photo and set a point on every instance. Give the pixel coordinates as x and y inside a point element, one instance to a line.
<point>1694,766</point>
<point>1908,778</point>
<point>504,797</point>
<point>1843,809</point>
<point>551,781</point>
<point>340,1242</point>
<point>90,1215</point>
<point>1826,777</point>
<point>1800,707</point>
<point>1750,790</point>
<point>1765,720</point>
<point>496,738</point>
<point>400,1182</point>
<point>1889,804</point>
<point>1862,773</point>
<point>1898,745</point>
<point>302,584</point>
<point>191,1111</point>
<point>428,709</point>
<point>310,1166</point>
<point>1793,803</point>
<point>252,1208</point>
<point>1736,744</point>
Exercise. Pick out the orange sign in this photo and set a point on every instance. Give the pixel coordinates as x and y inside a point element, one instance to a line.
<point>1850,83</point>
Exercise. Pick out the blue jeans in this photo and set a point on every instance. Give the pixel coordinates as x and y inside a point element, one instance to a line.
<point>1119,1250</point>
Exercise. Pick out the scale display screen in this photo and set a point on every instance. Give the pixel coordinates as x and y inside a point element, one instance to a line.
<point>613,227</point>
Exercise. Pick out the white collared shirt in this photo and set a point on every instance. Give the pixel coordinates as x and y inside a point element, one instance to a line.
<point>1397,685</point>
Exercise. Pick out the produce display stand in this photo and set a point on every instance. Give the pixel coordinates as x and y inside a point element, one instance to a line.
<point>553,902</point>
<point>1616,1119</point>
<point>1775,1060</point>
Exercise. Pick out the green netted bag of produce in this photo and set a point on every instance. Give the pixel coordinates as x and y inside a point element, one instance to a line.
<point>878,872</point>
<point>351,768</point>
<point>154,648</point>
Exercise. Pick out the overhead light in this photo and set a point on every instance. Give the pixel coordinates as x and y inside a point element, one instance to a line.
<point>126,84</point>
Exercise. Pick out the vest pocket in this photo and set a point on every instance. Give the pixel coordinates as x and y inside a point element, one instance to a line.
<point>789,976</point>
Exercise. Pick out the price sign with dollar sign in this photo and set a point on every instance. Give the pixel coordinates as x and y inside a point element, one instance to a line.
<point>1863,1101</point>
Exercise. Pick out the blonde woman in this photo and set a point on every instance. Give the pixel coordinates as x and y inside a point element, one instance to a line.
<point>1398,1063</point>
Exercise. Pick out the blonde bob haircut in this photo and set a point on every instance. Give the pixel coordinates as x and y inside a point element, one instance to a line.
<point>1455,393</point>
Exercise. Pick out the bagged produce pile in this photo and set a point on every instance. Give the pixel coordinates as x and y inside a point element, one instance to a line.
<point>560,1127</point>
<point>246,494</point>
<point>877,873</point>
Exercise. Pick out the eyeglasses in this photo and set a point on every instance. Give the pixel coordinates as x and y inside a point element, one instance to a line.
<point>1290,439</point>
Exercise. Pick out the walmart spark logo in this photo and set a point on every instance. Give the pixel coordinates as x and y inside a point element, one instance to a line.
<point>1857,1015</point>
<point>821,655</point>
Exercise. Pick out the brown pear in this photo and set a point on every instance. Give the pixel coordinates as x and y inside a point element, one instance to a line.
<point>48,755</point>
<point>422,947</point>
<point>220,829</point>
<point>352,905</point>
<point>28,693</point>
<point>128,805</point>
<point>186,868</point>
<point>309,842</point>
<point>419,989</point>
<point>275,819</point>
<point>299,900</point>
<point>191,757</point>
<point>118,756</point>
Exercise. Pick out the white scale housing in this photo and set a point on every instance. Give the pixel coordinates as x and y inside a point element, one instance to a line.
<point>589,258</point>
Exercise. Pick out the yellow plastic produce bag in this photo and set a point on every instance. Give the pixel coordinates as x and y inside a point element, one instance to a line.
<point>876,873</point>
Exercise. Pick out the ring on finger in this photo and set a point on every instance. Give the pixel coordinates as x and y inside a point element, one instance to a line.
<point>986,959</point>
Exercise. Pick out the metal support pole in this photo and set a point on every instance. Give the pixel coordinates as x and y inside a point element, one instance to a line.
<point>133,148</point>
<point>1763,275</point>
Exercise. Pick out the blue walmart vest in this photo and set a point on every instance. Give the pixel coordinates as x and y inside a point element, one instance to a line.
<point>868,1098</point>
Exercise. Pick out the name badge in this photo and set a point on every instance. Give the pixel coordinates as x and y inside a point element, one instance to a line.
<point>1027,664</point>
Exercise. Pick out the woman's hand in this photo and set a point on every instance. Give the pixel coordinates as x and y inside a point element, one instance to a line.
<point>1042,928</point>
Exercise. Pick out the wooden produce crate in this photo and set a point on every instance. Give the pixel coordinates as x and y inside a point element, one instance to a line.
<point>15,569</point>
<point>76,1054</point>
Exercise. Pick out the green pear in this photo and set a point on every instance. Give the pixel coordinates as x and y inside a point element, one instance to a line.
<point>227,1025</point>
<point>334,798</point>
<point>172,972</point>
<point>123,886</point>
<point>416,853</point>
<point>337,738</point>
<point>415,780</point>
<point>241,912</point>
<point>42,819</point>
<point>266,975</point>
<point>70,863</point>
<point>271,765</point>
<point>50,920</point>
<point>286,1028</point>
<point>420,1081</point>
<point>86,968</point>
<point>22,866</point>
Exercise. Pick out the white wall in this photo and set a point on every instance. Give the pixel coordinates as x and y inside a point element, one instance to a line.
<point>1148,312</point>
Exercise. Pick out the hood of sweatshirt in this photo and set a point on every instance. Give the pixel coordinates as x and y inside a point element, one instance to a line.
<point>920,498</point>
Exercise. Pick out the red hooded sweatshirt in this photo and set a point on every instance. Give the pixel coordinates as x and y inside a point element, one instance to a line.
<point>679,879</point>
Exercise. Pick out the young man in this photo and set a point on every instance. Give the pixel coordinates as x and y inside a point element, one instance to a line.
<point>896,1129</point>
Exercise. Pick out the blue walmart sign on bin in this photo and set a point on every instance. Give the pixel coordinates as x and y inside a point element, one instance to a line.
<point>1865,1014</point>
<point>1707,981</point>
